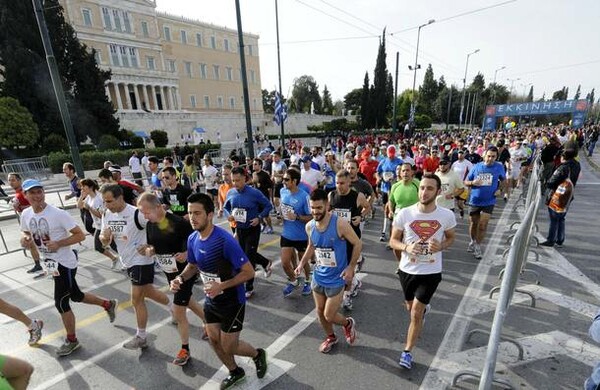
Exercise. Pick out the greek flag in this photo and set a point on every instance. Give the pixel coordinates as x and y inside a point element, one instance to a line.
<point>280,110</point>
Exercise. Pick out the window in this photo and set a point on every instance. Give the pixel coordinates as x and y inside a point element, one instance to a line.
<point>124,56</point>
<point>87,17</point>
<point>252,77</point>
<point>106,18</point>
<point>216,72</point>
<point>206,102</point>
<point>133,57</point>
<point>151,63</point>
<point>145,29</point>
<point>203,71</point>
<point>184,37</point>
<point>171,66</point>
<point>188,68</point>
<point>232,102</point>
<point>126,22</point>
<point>199,39</point>
<point>114,55</point>
<point>226,44</point>
<point>250,50</point>
<point>229,73</point>
<point>220,101</point>
<point>167,32</point>
<point>254,104</point>
<point>193,101</point>
<point>213,42</point>
<point>117,19</point>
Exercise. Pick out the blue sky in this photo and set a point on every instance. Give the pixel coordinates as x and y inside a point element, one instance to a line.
<point>547,43</point>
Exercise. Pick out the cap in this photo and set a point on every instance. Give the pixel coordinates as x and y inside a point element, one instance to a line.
<point>115,168</point>
<point>391,149</point>
<point>444,161</point>
<point>31,183</point>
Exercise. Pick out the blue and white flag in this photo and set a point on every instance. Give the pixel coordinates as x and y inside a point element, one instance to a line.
<point>280,110</point>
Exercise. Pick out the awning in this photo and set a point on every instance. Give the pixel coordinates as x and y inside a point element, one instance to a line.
<point>199,130</point>
<point>141,133</point>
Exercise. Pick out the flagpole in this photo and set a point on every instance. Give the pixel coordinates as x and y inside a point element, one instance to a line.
<point>279,71</point>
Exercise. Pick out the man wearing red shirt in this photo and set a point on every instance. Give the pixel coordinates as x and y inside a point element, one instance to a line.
<point>20,203</point>
<point>368,167</point>
<point>432,162</point>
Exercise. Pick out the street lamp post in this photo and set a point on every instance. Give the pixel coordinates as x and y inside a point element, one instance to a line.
<point>494,90</point>
<point>525,89</point>
<point>417,66</point>
<point>512,84</point>
<point>462,100</point>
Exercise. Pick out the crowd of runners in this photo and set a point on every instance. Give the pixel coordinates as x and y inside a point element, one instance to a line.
<point>317,199</point>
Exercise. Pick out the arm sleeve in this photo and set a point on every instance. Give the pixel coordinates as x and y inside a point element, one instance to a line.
<point>66,220</point>
<point>398,222</point>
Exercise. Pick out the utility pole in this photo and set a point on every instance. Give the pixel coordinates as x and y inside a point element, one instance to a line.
<point>394,121</point>
<point>462,100</point>
<point>58,88</point>
<point>279,71</point>
<point>244,80</point>
<point>448,111</point>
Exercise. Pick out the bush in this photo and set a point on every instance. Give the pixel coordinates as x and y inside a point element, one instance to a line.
<point>160,138</point>
<point>137,142</point>
<point>423,121</point>
<point>55,143</point>
<point>108,142</point>
<point>94,160</point>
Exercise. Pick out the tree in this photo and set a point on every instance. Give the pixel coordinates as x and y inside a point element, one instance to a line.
<point>428,92</point>
<point>108,142</point>
<point>366,115</point>
<point>561,94</point>
<point>380,98</point>
<point>306,93</point>
<point>25,76</point>
<point>327,103</point>
<point>530,94</point>
<point>404,101</point>
<point>352,100</point>
<point>268,101</point>
<point>577,93</point>
<point>338,108</point>
<point>422,121</point>
<point>591,96</point>
<point>55,143</point>
<point>160,138</point>
<point>17,127</point>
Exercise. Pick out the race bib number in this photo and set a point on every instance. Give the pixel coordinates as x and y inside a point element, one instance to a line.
<point>51,267</point>
<point>343,214</point>
<point>486,179</point>
<point>209,278</point>
<point>239,215</point>
<point>286,211</point>
<point>167,263</point>
<point>118,229</point>
<point>387,176</point>
<point>425,256</point>
<point>173,200</point>
<point>325,257</point>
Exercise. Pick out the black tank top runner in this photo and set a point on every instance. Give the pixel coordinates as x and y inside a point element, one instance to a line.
<point>345,207</point>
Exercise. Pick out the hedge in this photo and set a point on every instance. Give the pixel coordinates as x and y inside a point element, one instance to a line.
<point>94,160</point>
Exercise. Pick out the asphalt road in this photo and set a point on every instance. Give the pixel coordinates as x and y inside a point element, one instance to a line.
<point>287,326</point>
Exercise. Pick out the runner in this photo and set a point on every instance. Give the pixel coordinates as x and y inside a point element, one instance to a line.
<point>386,175</point>
<point>421,232</point>
<point>20,203</point>
<point>485,179</point>
<point>53,231</point>
<point>14,373</point>
<point>452,185</point>
<point>246,206</point>
<point>211,177</point>
<point>462,167</point>
<point>350,206</point>
<point>223,190</point>
<point>278,168</point>
<point>34,326</point>
<point>174,194</point>
<point>295,210</point>
<point>224,268</point>
<point>262,182</point>
<point>327,237</point>
<point>123,224</point>
<point>167,236</point>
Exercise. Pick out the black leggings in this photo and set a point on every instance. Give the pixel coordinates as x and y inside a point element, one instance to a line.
<point>249,239</point>
<point>65,289</point>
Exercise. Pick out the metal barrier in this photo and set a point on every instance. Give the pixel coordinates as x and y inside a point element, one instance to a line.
<point>36,167</point>
<point>517,255</point>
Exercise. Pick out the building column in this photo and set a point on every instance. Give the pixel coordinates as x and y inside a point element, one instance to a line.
<point>168,98</point>
<point>137,97</point>
<point>178,97</point>
<point>145,91</point>
<point>118,95</point>
<point>107,91</point>
<point>127,98</point>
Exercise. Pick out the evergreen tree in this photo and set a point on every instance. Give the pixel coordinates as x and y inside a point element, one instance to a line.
<point>327,103</point>
<point>352,100</point>
<point>578,92</point>
<point>365,104</point>
<point>592,95</point>
<point>306,94</point>
<point>380,97</point>
<point>25,74</point>
<point>530,94</point>
<point>428,92</point>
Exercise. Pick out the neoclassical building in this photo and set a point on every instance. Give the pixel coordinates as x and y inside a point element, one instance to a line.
<point>169,72</point>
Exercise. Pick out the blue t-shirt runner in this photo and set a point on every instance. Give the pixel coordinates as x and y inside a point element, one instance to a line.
<point>489,176</point>
<point>297,203</point>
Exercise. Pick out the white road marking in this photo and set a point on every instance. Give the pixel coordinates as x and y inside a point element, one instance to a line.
<point>439,374</point>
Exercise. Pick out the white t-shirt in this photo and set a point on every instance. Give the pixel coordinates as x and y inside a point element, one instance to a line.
<point>126,235</point>
<point>96,203</point>
<point>145,163</point>
<point>294,158</point>
<point>517,157</point>
<point>407,160</point>
<point>420,227</point>
<point>450,183</point>
<point>311,177</point>
<point>210,174</point>
<point>52,224</point>
<point>319,160</point>
<point>462,168</point>
<point>134,164</point>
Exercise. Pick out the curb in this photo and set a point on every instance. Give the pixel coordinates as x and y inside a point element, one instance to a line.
<point>592,163</point>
